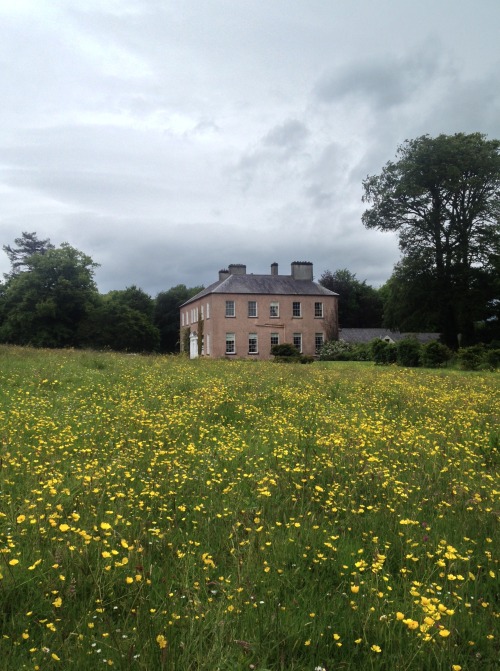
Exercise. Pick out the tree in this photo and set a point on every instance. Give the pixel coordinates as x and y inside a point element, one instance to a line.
<point>122,320</point>
<point>116,326</point>
<point>408,297</point>
<point>442,196</point>
<point>27,245</point>
<point>359,304</point>
<point>166,315</point>
<point>44,305</point>
<point>133,298</point>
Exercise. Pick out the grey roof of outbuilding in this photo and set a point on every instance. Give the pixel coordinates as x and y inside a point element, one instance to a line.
<point>367,335</point>
<point>264,284</point>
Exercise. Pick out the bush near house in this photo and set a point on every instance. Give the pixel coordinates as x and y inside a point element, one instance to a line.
<point>341,350</point>
<point>408,352</point>
<point>287,353</point>
<point>383,353</point>
<point>478,357</point>
<point>435,354</point>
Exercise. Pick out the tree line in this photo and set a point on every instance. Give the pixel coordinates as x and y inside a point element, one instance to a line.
<point>50,299</point>
<point>441,196</point>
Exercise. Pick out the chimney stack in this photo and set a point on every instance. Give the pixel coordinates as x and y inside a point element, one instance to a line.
<point>274,268</point>
<point>237,269</point>
<point>223,274</point>
<point>302,270</point>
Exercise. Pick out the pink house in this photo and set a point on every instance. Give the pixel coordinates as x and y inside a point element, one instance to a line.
<point>242,315</point>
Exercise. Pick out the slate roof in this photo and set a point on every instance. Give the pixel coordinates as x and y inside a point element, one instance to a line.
<point>263,284</point>
<point>367,335</point>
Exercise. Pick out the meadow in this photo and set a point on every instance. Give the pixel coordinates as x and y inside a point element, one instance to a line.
<point>160,513</point>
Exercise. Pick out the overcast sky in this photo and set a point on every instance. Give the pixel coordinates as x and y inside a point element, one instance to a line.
<point>169,139</point>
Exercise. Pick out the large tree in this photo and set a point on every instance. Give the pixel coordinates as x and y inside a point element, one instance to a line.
<point>44,304</point>
<point>133,298</point>
<point>408,297</point>
<point>360,305</point>
<point>442,196</point>
<point>27,245</point>
<point>114,325</point>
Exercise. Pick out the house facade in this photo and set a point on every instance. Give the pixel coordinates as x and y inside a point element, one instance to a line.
<point>243,315</point>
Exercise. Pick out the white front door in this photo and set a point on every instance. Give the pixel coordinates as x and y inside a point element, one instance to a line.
<point>193,346</point>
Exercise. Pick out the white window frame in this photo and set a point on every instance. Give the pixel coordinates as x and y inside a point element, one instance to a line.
<point>254,305</point>
<point>276,336</point>
<point>274,306</point>
<point>296,311</point>
<point>317,337</point>
<point>253,348</point>
<point>208,310</point>
<point>230,307</point>
<point>298,345</point>
<point>318,309</point>
<point>230,338</point>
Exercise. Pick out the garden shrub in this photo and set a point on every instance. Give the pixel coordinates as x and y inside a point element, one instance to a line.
<point>340,350</point>
<point>383,353</point>
<point>435,354</point>
<point>286,353</point>
<point>492,359</point>
<point>408,352</point>
<point>471,358</point>
<point>336,350</point>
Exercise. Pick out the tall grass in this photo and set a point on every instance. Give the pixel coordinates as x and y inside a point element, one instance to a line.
<point>158,513</point>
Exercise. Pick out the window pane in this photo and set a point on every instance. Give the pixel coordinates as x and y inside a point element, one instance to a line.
<point>252,343</point>
<point>252,308</point>
<point>297,341</point>
<point>229,308</point>
<point>318,309</point>
<point>318,341</point>
<point>274,309</point>
<point>230,343</point>
<point>296,309</point>
<point>275,339</point>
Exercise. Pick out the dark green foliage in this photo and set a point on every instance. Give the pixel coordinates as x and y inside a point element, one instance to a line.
<point>133,298</point>
<point>409,296</point>
<point>360,305</point>
<point>44,305</point>
<point>435,354</point>
<point>185,340</point>
<point>471,358</point>
<point>492,358</point>
<point>166,315</point>
<point>287,353</point>
<point>478,357</point>
<point>115,326</point>
<point>383,353</point>
<point>285,349</point>
<point>442,196</point>
<point>408,352</point>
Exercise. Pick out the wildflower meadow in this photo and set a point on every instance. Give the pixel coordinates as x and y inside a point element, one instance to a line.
<point>161,513</point>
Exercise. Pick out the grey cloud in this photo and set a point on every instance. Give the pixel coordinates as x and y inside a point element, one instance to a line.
<point>278,151</point>
<point>289,135</point>
<point>384,82</point>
